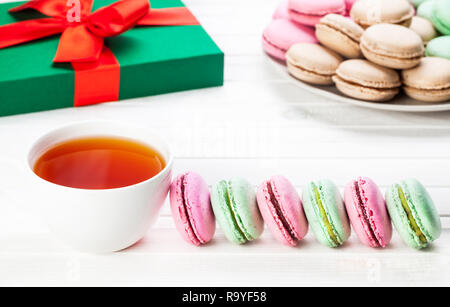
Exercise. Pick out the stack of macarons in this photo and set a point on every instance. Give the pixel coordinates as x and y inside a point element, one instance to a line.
<point>241,212</point>
<point>294,22</point>
<point>368,49</point>
<point>436,12</point>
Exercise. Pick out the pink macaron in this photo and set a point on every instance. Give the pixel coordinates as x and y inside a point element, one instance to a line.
<point>367,211</point>
<point>281,12</point>
<point>282,210</point>
<point>309,12</point>
<point>349,4</point>
<point>191,208</point>
<point>281,34</point>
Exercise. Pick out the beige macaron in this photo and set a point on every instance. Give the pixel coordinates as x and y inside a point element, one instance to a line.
<point>424,28</point>
<point>340,34</point>
<point>365,80</point>
<point>370,12</point>
<point>312,63</point>
<point>392,46</point>
<point>430,81</point>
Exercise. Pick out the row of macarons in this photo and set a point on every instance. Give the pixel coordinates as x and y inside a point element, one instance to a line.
<point>385,46</point>
<point>241,213</point>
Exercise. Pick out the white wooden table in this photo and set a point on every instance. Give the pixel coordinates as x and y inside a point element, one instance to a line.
<point>255,126</point>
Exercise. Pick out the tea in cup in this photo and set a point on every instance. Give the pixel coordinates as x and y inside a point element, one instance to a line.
<point>101,184</point>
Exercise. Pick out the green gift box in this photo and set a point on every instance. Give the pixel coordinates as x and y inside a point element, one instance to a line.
<point>153,60</point>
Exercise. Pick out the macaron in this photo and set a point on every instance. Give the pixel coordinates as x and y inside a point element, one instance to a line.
<point>439,47</point>
<point>325,212</point>
<point>281,34</point>
<point>365,80</point>
<point>234,205</point>
<point>282,210</point>
<point>424,28</point>
<point>340,34</point>
<point>425,9</point>
<point>416,3</point>
<point>312,63</point>
<point>392,46</point>
<point>191,208</point>
<point>370,12</point>
<point>441,16</point>
<point>430,81</point>
<point>413,213</point>
<point>309,12</point>
<point>367,212</point>
<point>281,12</point>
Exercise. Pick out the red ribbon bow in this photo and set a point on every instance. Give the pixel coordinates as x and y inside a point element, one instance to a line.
<point>83,32</point>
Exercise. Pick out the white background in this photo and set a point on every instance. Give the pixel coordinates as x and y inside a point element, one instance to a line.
<point>255,126</point>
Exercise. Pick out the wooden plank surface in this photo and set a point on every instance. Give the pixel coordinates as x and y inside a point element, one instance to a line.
<point>257,125</point>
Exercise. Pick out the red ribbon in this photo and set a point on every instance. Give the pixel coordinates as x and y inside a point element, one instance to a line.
<point>83,34</point>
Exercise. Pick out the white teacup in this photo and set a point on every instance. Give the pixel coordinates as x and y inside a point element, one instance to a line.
<point>101,220</point>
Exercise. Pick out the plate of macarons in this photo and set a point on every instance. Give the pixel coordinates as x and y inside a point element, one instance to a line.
<point>381,54</point>
<point>241,211</point>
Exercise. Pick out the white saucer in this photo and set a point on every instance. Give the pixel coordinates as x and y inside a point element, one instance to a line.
<point>400,103</point>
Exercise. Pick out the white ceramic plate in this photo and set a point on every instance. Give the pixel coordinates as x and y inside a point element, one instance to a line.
<point>401,103</point>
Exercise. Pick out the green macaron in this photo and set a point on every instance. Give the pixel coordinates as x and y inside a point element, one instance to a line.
<point>325,211</point>
<point>425,10</point>
<point>439,47</point>
<point>234,205</point>
<point>413,213</point>
<point>441,16</point>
